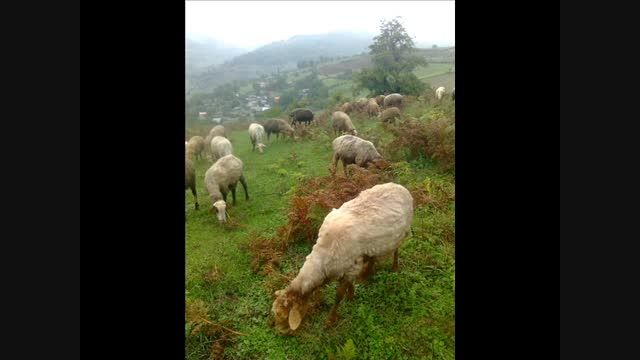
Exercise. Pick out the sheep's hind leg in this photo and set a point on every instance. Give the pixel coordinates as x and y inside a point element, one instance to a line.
<point>233,192</point>
<point>351,290</point>
<point>244,186</point>
<point>340,292</point>
<point>395,267</point>
<point>195,196</point>
<point>369,268</point>
<point>334,164</point>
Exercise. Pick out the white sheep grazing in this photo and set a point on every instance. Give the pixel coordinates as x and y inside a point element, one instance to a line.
<point>221,177</point>
<point>350,240</point>
<point>341,122</point>
<point>217,130</point>
<point>256,135</point>
<point>353,150</point>
<point>220,146</point>
<point>440,92</point>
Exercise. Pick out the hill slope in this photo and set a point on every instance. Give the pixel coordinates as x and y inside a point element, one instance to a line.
<point>306,47</point>
<point>278,56</point>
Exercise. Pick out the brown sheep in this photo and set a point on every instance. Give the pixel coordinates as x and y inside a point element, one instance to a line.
<point>360,104</point>
<point>389,115</point>
<point>346,108</point>
<point>372,108</point>
<point>277,126</point>
<point>342,122</point>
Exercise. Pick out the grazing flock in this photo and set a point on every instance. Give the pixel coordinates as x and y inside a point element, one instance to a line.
<point>352,238</point>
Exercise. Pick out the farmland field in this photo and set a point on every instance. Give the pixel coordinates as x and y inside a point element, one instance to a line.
<point>435,74</point>
<point>431,70</point>
<point>403,315</point>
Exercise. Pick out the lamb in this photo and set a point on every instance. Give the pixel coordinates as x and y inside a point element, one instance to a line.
<point>380,100</point>
<point>301,116</point>
<point>277,126</point>
<point>372,108</point>
<point>190,179</point>
<point>256,135</point>
<point>350,240</point>
<point>394,100</point>
<point>440,92</point>
<point>220,146</point>
<point>195,146</point>
<point>219,178</point>
<point>389,115</point>
<point>353,150</point>
<point>341,122</point>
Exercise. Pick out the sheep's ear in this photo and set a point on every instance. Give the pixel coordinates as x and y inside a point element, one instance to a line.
<point>295,318</point>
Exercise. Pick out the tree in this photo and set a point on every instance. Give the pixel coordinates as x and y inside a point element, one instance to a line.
<point>393,57</point>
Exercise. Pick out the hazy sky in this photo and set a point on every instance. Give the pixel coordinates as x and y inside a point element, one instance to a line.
<point>249,24</point>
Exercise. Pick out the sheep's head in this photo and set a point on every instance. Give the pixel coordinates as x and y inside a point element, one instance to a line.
<point>353,132</point>
<point>288,310</point>
<point>261,147</point>
<point>220,207</point>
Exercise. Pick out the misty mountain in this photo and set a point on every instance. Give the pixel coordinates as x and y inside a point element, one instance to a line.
<point>306,47</point>
<point>277,56</point>
<point>201,54</point>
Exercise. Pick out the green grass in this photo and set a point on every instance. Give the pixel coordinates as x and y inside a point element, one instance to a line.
<point>404,315</point>
<point>431,70</point>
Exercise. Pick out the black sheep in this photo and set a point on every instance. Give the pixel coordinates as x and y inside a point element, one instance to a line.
<point>301,116</point>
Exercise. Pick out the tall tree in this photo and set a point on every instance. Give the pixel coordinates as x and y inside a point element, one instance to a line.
<point>394,58</point>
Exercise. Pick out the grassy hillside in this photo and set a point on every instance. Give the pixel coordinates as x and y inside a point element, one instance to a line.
<point>439,56</point>
<point>404,315</point>
<point>282,56</point>
<point>435,74</point>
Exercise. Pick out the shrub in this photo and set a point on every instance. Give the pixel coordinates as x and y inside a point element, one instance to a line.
<point>433,139</point>
<point>199,323</point>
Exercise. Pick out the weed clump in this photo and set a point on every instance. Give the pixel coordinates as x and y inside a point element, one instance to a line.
<point>199,323</point>
<point>433,139</point>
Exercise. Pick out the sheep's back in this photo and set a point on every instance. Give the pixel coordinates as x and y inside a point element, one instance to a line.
<point>373,224</point>
<point>227,170</point>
